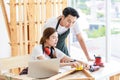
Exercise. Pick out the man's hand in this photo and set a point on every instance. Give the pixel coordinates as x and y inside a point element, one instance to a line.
<point>90,59</point>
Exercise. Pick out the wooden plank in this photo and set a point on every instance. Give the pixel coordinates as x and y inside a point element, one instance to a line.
<point>15,77</point>
<point>54,13</point>
<point>13,28</point>
<point>0,2</point>
<point>25,28</point>
<point>115,77</point>
<point>59,8</point>
<point>5,17</point>
<point>10,77</point>
<point>10,63</point>
<point>78,75</point>
<point>64,4</point>
<point>38,31</point>
<point>87,73</point>
<point>78,79</point>
<point>61,75</point>
<point>112,78</point>
<point>48,9</point>
<point>20,28</point>
<point>43,14</point>
<point>31,30</point>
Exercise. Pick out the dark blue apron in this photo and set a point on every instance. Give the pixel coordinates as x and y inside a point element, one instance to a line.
<point>61,40</point>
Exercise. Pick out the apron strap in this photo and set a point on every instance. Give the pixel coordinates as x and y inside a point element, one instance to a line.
<point>58,24</point>
<point>61,40</point>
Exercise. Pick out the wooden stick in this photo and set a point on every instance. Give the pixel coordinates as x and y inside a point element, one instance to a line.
<point>5,17</point>
<point>31,18</point>
<point>20,28</point>
<point>25,29</point>
<point>86,73</point>
<point>48,9</point>
<point>78,79</point>
<point>59,8</point>
<point>37,11</point>
<point>61,75</point>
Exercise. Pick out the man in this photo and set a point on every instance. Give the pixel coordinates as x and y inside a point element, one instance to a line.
<point>63,24</point>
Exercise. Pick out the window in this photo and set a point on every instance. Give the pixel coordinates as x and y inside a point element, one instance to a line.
<point>96,35</point>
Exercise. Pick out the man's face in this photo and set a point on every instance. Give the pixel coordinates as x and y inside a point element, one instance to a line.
<point>68,21</point>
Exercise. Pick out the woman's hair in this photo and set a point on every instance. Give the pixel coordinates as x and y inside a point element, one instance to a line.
<point>70,11</point>
<point>46,34</point>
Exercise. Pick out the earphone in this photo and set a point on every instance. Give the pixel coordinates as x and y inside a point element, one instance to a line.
<point>47,50</point>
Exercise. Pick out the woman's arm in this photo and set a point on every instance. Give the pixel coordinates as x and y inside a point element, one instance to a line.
<point>72,64</point>
<point>66,59</point>
<point>67,62</point>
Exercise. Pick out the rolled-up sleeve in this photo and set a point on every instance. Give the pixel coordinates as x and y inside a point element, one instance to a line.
<point>76,27</point>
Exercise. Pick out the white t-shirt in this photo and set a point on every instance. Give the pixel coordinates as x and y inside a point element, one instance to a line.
<point>52,22</point>
<point>37,51</point>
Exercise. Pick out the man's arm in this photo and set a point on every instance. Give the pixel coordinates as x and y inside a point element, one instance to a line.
<point>83,46</point>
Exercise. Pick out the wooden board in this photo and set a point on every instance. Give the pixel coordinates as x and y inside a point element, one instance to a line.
<point>73,75</point>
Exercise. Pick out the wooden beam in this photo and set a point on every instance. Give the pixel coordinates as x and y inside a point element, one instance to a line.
<point>5,17</point>
<point>48,9</point>
<point>62,75</point>
<point>31,19</point>
<point>87,73</point>
<point>13,28</point>
<point>64,3</point>
<point>10,63</point>
<point>25,28</point>
<point>56,77</point>
<point>115,77</point>
<point>14,33</point>
<point>38,27</point>
<point>20,28</point>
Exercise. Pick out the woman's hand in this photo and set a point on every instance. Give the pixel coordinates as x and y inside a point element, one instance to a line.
<point>85,65</point>
<point>65,59</point>
<point>75,64</point>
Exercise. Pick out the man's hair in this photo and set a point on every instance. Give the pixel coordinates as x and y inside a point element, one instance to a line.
<point>70,11</point>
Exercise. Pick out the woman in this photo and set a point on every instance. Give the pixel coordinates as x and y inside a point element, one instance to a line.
<point>46,49</point>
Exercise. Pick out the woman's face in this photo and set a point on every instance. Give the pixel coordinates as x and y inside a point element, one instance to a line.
<point>53,39</point>
<point>68,21</point>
